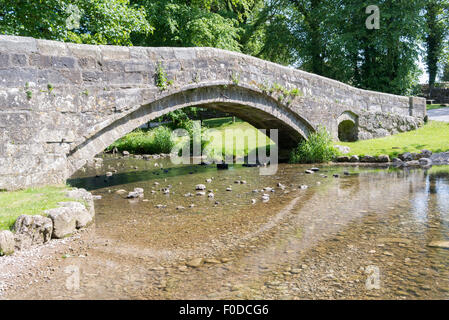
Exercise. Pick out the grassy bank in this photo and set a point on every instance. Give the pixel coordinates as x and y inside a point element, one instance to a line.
<point>435,106</point>
<point>31,201</point>
<point>236,129</point>
<point>433,136</point>
<point>159,140</point>
<point>142,141</point>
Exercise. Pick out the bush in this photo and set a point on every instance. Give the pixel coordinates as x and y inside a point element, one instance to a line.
<point>158,140</point>
<point>319,148</point>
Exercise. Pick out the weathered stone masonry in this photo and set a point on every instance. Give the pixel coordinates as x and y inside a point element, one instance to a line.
<point>62,103</point>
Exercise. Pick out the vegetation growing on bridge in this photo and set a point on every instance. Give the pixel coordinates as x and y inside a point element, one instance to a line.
<point>161,79</point>
<point>433,136</point>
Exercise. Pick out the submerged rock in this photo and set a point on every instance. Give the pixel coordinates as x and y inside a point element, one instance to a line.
<point>195,263</point>
<point>439,244</point>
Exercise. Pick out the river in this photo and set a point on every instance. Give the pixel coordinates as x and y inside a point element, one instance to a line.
<point>362,235</point>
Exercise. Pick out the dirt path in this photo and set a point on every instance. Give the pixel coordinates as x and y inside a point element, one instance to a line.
<point>441,114</point>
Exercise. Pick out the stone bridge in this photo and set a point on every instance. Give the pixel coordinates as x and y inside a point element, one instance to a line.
<point>63,103</point>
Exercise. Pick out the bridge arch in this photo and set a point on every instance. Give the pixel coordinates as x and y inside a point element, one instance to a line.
<point>248,104</point>
<point>348,123</point>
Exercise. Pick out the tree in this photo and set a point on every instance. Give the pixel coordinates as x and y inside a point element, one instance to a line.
<point>39,19</point>
<point>436,31</point>
<point>82,21</point>
<point>445,76</point>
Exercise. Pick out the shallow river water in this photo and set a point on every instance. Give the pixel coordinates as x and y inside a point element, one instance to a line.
<point>362,235</point>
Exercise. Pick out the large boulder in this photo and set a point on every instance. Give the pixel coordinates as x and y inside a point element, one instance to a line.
<point>32,230</point>
<point>67,218</point>
<point>7,242</point>
<point>84,195</point>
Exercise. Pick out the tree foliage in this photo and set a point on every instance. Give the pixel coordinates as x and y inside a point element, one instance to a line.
<point>436,31</point>
<point>326,37</point>
<point>82,21</point>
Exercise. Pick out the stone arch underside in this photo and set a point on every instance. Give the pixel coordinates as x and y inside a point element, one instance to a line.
<point>258,109</point>
<point>348,123</point>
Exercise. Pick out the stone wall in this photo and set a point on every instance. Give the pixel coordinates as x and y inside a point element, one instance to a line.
<point>62,103</point>
<point>440,95</point>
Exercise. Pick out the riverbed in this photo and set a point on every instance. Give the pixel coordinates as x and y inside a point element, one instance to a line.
<point>363,234</point>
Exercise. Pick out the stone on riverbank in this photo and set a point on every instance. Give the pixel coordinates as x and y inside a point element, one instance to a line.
<point>200,187</point>
<point>343,159</point>
<point>68,218</point>
<point>84,195</point>
<point>412,163</point>
<point>425,162</point>
<point>32,230</point>
<point>354,158</point>
<point>383,158</point>
<point>368,159</point>
<point>7,242</point>
<point>407,156</point>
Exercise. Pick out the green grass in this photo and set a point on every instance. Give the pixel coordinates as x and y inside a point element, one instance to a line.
<point>218,122</point>
<point>157,140</point>
<point>32,201</point>
<point>236,129</point>
<point>435,106</point>
<point>433,136</point>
